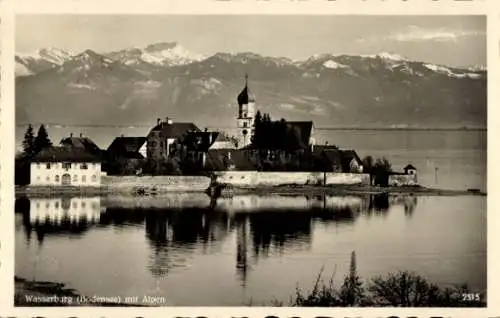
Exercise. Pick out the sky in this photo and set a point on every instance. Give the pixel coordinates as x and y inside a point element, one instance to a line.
<point>448,40</point>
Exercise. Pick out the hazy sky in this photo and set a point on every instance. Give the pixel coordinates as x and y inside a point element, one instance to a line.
<point>450,40</point>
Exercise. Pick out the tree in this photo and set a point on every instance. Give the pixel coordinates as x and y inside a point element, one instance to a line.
<point>352,292</point>
<point>382,165</point>
<point>29,141</point>
<point>42,140</point>
<point>256,138</point>
<point>405,289</point>
<point>368,167</point>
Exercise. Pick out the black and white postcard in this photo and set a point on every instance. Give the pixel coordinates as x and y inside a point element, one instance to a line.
<point>247,159</point>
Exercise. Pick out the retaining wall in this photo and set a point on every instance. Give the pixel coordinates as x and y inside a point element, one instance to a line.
<point>255,178</point>
<point>397,180</point>
<point>159,183</point>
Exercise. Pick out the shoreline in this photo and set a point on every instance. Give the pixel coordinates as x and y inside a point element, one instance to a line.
<point>291,189</point>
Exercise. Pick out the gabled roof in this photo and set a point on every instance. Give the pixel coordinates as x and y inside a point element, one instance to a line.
<point>127,147</point>
<point>409,167</point>
<point>347,157</point>
<point>223,159</point>
<point>65,154</point>
<point>174,130</point>
<point>83,143</point>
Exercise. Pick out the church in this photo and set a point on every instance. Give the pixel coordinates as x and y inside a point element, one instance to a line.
<point>246,121</point>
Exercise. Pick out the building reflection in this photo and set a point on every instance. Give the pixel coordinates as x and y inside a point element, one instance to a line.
<point>58,216</point>
<point>264,226</point>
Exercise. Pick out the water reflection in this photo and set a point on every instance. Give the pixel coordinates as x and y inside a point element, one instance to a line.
<point>176,226</point>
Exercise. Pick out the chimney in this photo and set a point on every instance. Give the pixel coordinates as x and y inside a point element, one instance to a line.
<point>122,135</point>
<point>81,135</point>
<point>168,121</point>
<point>158,121</point>
<point>206,129</point>
<point>326,143</point>
<point>71,135</point>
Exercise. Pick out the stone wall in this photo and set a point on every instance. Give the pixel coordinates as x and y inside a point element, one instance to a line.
<point>397,180</point>
<point>156,183</point>
<point>255,178</point>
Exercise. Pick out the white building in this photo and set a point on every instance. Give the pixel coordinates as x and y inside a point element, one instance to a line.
<point>246,116</point>
<point>65,166</point>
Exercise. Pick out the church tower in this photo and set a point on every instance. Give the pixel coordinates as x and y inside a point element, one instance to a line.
<point>246,114</point>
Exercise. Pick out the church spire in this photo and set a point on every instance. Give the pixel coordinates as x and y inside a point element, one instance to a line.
<point>245,96</point>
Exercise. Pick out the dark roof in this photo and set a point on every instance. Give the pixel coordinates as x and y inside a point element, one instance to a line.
<point>351,154</point>
<point>83,143</point>
<point>409,167</point>
<point>127,147</point>
<point>218,159</point>
<point>174,130</point>
<point>65,154</point>
<point>334,156</point>
<point>304,128</point>
<point>244,97</point>
<point>199,140</point>
<point>347,157</point>
<point>318,149</point>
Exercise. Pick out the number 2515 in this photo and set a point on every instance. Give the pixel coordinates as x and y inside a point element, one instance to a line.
<point>471,297</point>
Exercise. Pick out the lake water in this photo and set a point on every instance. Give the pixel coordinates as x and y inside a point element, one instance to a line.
<point>246,249</point>
<point>444,159</point>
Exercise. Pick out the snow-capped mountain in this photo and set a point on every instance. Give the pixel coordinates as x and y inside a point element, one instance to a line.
<point>130,87</point>
<point>158,54</point>
<point>40,60</point>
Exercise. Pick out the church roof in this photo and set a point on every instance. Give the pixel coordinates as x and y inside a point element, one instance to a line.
<point>245,95</point>
<point>127,147</point>
<point>175,130</point>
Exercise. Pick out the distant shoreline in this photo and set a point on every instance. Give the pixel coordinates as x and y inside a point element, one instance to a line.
<point>22,125</point>
<point>260,190</point>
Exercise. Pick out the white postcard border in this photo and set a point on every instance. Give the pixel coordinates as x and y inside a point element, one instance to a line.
<point>340,7</point>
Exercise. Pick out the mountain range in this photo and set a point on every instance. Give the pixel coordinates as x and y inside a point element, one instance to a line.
<point>135,86</point>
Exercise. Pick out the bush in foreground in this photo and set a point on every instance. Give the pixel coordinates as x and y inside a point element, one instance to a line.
<point>399,289</point>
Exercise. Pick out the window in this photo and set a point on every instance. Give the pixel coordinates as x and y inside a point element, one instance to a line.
<point>245,124</point>
<point>94,178</point>
<point>38,166</point>
<point>84,204</point>
<point>48,178</point>
<point>75,178</point>
<point>66,165</point>
<point>84,166</point>
<point>57,178</point>
<point>74,205</point>
<point>48,165</point>
<point>84,178</point>
<point>38,178</point>
<point>56,205</point>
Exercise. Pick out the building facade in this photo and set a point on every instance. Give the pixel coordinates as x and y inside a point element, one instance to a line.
<point>64,166</point>
<point>161,139</point>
